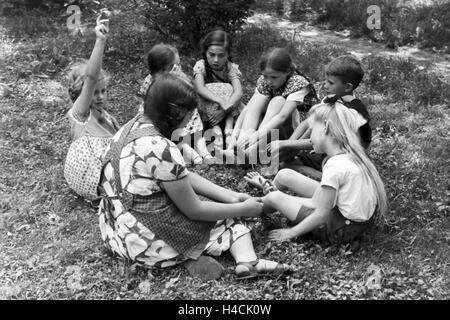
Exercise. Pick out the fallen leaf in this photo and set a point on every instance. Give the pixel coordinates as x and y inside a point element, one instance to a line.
<point>145,287</point>
<point>373,281</point>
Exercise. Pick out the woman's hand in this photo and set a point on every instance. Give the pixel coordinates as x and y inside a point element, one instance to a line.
<point>102,29</point>
<point>281,234</point>
<point>241,197</point>
<point>254,207</point>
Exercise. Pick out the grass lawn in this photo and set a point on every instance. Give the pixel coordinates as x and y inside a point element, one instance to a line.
<point>50,240</point>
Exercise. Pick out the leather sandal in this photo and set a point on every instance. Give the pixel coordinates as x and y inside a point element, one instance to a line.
<point>268,186</point>
<point>248,270</point>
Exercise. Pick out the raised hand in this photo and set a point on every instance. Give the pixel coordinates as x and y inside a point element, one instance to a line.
<point>102,28</point>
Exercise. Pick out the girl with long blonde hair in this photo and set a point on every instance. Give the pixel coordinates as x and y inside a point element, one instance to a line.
<point>342,205</point>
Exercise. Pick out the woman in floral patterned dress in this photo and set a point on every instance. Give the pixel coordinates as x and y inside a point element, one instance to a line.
<point>151,211</point>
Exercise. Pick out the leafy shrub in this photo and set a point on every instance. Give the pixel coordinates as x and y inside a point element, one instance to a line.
<point>251,42</point>
<point>402,22</point>
<point>8,7</point>
<point>312,58</point>
<point>403,80</point>
<point>272,6</point>
<point>186,21</point>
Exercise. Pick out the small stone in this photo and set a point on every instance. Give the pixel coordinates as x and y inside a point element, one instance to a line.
<point>205,268</point>
<point>4,90</point>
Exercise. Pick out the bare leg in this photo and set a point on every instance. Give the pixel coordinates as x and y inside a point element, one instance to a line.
<point>242,249</point>
<point>243,252</point>
<point>307,171</point>
<point>228,131</point>
<point>253,111</point>
<point>237,128</point>
<point>189,154</point>
<point>295,182</point>
<point>273,109</point>
<point>287,205</point>
<point>200,145</point>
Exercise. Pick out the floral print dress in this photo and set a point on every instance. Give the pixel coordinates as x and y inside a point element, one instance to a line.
<point>211,113</point>
<point>144,164</point>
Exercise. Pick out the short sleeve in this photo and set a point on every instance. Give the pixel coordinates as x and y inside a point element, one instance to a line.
<point>295,83</point>
<point>262,87</point>
<point>234,72</point>
<point>170,165</point>
<point>331,175</point>
<point>199,68</point>
<point>298,96</point>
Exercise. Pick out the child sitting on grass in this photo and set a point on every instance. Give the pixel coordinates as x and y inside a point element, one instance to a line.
<point>340,207</point>
<point>282,94</point>
<point>91,126</point>
<point>165,58</point>
<point>218,82</point>
<point>87,84</point>
<point>343,76</point>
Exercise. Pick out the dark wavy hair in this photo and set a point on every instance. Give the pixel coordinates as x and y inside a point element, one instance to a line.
<point>216,37</point>
<point>280,60</point>
<point>277,59</point>
<point>160,57</point>
<point>167,92</point>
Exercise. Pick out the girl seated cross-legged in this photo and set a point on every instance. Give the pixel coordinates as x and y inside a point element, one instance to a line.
<point>343,204</point>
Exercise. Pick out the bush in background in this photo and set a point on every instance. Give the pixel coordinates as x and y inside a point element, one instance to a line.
<point>271,6</point>
<point>402,79</point>
<point>402,22</point>
<point>187,21</point>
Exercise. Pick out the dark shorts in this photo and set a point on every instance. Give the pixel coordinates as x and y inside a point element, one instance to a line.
<point>337,229</point>
<point>313,160</point>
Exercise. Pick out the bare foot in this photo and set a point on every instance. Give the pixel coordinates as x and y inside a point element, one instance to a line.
<point>255,179</point>
<point>209,159</point>
<point>258,181</point>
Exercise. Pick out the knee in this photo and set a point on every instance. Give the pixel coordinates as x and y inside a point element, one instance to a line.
<point>272,198</point>
<point>216,131</point>
<point>278,100</point>
<point>282,177</point>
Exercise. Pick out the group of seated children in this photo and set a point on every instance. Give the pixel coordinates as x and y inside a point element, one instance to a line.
<point>155,212</point>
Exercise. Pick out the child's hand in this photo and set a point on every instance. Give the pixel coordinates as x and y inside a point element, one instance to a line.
<point>254,207</point>
<point>241,197</point>
<point>101,29</point>
<point>230,141</point>
<point>225,105</point>
<point>281,234</point>
<point>253,138</point>
<point>275,146</point>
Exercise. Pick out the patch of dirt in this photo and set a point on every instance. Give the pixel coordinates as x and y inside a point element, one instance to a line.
<point>360,47</point>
